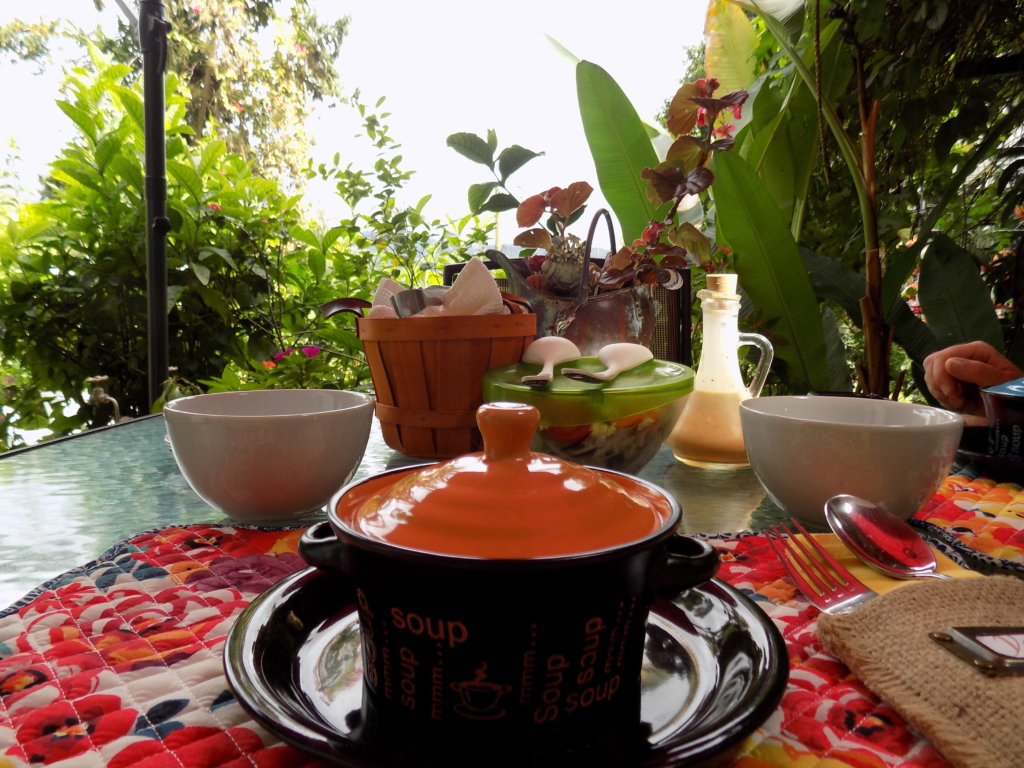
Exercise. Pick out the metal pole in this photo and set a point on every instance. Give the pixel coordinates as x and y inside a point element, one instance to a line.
<point>153,40</point>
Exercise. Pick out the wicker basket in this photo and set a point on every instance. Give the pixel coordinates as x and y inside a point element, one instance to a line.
<point>428,372</point>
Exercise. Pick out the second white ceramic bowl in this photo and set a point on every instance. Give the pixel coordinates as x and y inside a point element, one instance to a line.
<point>269,455</point>
<point>806,449</point>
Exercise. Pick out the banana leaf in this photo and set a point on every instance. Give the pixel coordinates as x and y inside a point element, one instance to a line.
<point>833,281</point>
<point>730,46</point>
<point>782,138</point>
<point>771,271</point>
<point>620,146</point>
<point>953,296</point>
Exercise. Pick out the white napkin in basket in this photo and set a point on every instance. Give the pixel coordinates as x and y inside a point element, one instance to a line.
<point>475,292</point>
<point>382,298</point>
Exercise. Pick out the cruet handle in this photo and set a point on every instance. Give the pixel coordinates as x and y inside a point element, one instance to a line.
<point>763,365</point>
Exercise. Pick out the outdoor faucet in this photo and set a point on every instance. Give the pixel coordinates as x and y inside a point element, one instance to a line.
<point>98,396</point>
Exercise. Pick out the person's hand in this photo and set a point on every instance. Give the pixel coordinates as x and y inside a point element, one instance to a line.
<point>956,375</point>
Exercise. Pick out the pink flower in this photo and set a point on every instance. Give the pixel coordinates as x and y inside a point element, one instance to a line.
<point>213,206</point>
<point>724,130</point>
<point>311,352</point>
<point>279,356</point>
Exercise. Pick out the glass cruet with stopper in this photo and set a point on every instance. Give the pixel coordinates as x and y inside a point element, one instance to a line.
<point>708,433</point>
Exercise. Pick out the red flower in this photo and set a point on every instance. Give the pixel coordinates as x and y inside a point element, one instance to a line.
<point>269,364</point>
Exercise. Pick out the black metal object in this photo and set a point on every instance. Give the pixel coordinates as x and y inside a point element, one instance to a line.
<point>153,40</point>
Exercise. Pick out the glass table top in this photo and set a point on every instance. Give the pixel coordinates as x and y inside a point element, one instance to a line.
<point>67,501</point>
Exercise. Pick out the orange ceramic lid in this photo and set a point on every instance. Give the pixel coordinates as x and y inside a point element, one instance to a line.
<point>508,502</point>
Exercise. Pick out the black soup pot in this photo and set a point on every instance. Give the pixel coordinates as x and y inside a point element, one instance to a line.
<point>503,596</point>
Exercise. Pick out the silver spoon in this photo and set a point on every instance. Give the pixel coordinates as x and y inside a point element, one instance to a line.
<point>548,351</point>
<point>617,357</point>
<point>880,539</point>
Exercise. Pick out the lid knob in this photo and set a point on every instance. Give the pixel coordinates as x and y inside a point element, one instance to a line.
<point>507,429</point>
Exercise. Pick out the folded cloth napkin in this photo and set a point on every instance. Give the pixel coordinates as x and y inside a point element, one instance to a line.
<point>475,292</point>
<point>972,719</point>
<point>381,302</point>
<point>877,581</point>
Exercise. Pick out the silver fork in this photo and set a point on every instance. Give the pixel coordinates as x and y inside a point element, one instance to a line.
<point>827,584</point>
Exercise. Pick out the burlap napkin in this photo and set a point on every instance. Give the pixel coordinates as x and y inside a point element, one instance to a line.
<point>972,719</point>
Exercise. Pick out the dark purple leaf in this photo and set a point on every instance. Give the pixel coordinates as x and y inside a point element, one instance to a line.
<point>712,105</point>
<point>698,180</point>
<point>734,99</point>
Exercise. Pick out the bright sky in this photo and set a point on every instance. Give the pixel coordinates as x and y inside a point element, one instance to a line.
<point>445,67</point>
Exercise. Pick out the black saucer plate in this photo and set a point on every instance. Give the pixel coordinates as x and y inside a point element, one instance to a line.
<point>714,669</point>
<point>973,451</point>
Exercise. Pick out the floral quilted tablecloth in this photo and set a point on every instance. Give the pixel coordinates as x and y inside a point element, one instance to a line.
<point>979,519</point>
<point>118,662</point>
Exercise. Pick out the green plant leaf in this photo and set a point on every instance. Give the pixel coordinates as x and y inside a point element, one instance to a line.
<point>106,150</point>
<point>211,155</point>
<point>838,372</point>
<point>911,333</point>
<point>85,121</point>
<point>331,236</point>
<point>501,202</point>
<point>201,271</point>
<point>223,253</point>
<point>899,264</point>
<point>472,146</point>
<point>620,147</point>
<point>771,270</point>
<point>188,179</point>
<point>781,140</point>
<point>78,171</point>
<point>833,281</point>
<point>133,106</point>
<point>478,194</point>
<point>953,296</point>
<point>317,263</point>
<point>305,236</point>
<point>730,43</point>
<point>512,159</point>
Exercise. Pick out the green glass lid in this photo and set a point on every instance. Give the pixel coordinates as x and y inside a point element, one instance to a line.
<point>566,402</point>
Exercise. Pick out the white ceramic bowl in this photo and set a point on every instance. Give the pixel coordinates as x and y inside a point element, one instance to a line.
<point>269,455</point>
<point>806,449</point>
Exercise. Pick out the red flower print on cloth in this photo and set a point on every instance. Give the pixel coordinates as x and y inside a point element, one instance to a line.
<point>62,730</point>
<point>247,573</point>
<point>205,747</point>
<point>119,663</point>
